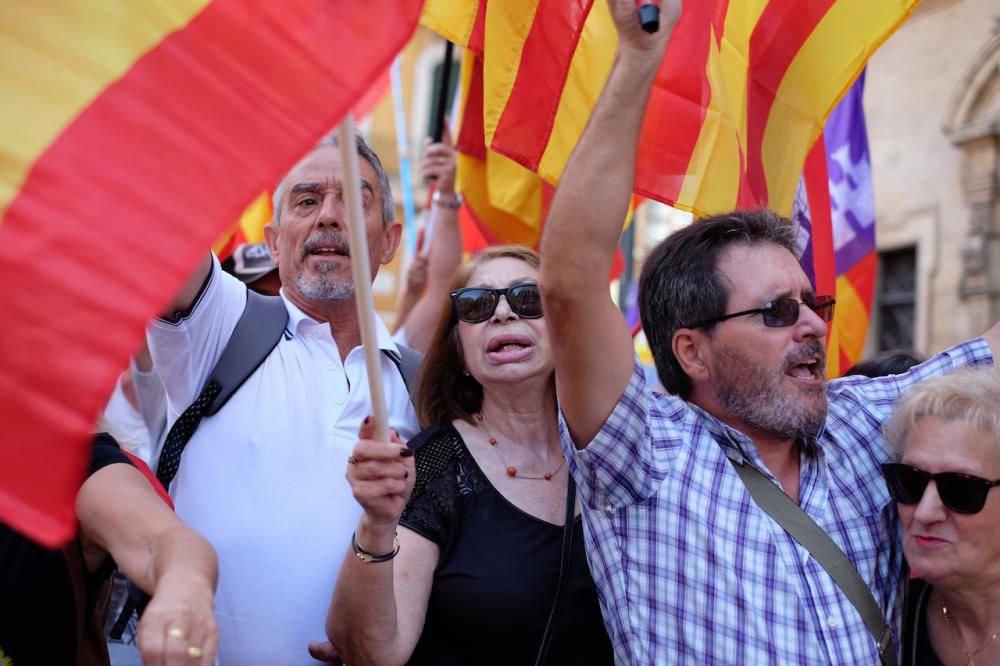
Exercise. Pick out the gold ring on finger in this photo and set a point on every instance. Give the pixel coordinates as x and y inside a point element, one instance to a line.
<point>195,652</point>
<point>176,632</point>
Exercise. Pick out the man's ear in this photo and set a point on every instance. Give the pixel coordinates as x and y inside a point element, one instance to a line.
<point>271,238</point>
<point>391,234</point>
<point>691,348</point>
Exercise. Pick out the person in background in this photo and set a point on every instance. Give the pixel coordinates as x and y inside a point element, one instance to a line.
<point>945,438</point>
<point>473,575</point>
<point>432,269</point>
<point>886,363</point>
<point>690,568</point>
<point>415,287</point>
<point>49,599</point>
<point>251,263</point>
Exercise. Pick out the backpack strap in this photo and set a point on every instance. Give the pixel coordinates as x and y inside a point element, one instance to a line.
<point>408,361</point>
<point>257,332</point>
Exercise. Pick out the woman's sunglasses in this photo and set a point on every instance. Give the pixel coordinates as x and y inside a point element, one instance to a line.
<point>477,304</point>
<point>778,313</point>
<point>961,493</point>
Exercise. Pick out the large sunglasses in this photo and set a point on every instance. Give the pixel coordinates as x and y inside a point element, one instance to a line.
<point>477,304</point>
<point>961,493</point>
<point>778,313</point>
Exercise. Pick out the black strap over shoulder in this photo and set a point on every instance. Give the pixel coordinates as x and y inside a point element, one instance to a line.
<point>257,332</point>
<point>564,565</point>
<point>408,362</point>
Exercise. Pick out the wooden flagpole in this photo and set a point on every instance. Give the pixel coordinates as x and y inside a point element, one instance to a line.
<point>361,268</point>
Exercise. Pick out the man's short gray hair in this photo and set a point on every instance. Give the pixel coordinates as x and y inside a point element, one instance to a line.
<point>365,152</point>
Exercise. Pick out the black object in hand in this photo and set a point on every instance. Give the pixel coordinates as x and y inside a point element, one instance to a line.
<point>649,16</point>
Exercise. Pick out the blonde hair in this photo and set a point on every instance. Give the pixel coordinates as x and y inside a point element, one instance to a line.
<point>970,395</point>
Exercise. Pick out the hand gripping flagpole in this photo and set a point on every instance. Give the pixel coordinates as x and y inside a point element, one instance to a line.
<point>361,268</point>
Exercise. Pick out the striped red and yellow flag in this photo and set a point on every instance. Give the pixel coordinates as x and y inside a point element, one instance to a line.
<point>739,100</point>
<point>139,131</point>
<point>508,202</point>
<point>835,216</point>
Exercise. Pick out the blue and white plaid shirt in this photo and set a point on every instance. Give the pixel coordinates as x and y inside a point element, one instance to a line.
<point>690,570</point>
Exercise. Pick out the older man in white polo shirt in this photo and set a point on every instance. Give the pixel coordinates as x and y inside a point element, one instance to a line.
<point>263,480</point>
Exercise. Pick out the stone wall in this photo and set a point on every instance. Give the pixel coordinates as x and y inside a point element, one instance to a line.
<point>933,108</point>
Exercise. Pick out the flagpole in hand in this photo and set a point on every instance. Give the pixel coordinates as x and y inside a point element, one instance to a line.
<point>361,269</point>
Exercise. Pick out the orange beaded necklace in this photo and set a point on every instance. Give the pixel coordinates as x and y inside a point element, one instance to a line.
<point>511,470</point>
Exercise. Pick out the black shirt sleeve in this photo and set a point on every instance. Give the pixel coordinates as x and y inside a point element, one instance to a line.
<point>105,451</point>
<point>437,487</point>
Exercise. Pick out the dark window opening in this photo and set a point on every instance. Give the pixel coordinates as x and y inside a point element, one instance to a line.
<point>897,299</point>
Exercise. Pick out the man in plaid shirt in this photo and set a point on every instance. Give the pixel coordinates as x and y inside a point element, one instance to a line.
<point>689,569</point>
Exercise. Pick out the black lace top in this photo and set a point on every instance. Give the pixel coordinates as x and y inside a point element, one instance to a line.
<point>496,578</point>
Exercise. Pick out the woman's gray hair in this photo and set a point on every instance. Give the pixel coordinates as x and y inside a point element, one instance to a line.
<point>365,152</point>
<point>970,395</point>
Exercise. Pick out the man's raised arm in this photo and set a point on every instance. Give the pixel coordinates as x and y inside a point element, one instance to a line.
<point>590,339</point>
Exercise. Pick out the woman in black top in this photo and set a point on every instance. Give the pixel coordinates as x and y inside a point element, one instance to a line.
<point>480,540</point>
<point>946,436</point>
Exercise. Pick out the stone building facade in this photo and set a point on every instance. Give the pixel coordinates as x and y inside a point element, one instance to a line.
<point>933,108</point>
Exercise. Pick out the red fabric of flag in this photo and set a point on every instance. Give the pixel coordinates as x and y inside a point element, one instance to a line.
<point>119,207</point>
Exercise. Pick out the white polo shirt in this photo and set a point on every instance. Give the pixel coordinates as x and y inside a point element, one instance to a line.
<point>263,480</point>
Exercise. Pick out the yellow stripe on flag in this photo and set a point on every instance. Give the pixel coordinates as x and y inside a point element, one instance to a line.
<point>251,224</point>
<point>849,330</point>
<point>452,20</point>
<point>257,214</point>
<point>472,175</point>
<point>77,51</point>
<point>588,73</point>
<point>822,71</point>
<point>722,139</point>
<point>515,189</point>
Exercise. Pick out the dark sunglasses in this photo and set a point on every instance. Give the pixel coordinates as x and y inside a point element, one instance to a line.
<point>961,493</point>
<point>477,304</point>
<point>782,312</point>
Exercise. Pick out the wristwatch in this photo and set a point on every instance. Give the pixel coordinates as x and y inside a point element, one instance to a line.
<point>447,201</point>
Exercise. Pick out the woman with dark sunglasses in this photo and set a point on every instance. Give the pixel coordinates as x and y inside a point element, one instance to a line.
<point>946,436</point>
<point>468,573</point>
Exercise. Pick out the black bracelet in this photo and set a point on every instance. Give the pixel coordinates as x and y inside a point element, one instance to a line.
<point>365,556</point>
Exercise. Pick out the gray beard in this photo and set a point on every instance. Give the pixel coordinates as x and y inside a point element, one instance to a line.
<point>322,288</point>
<point>755,396</point>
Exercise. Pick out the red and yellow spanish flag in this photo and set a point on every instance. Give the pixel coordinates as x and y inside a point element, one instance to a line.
<point>739,100</point>
<point>506,199</point>
<point>137,132</point>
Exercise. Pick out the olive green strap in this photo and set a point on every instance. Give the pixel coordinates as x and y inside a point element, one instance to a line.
<point>777,504</point>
